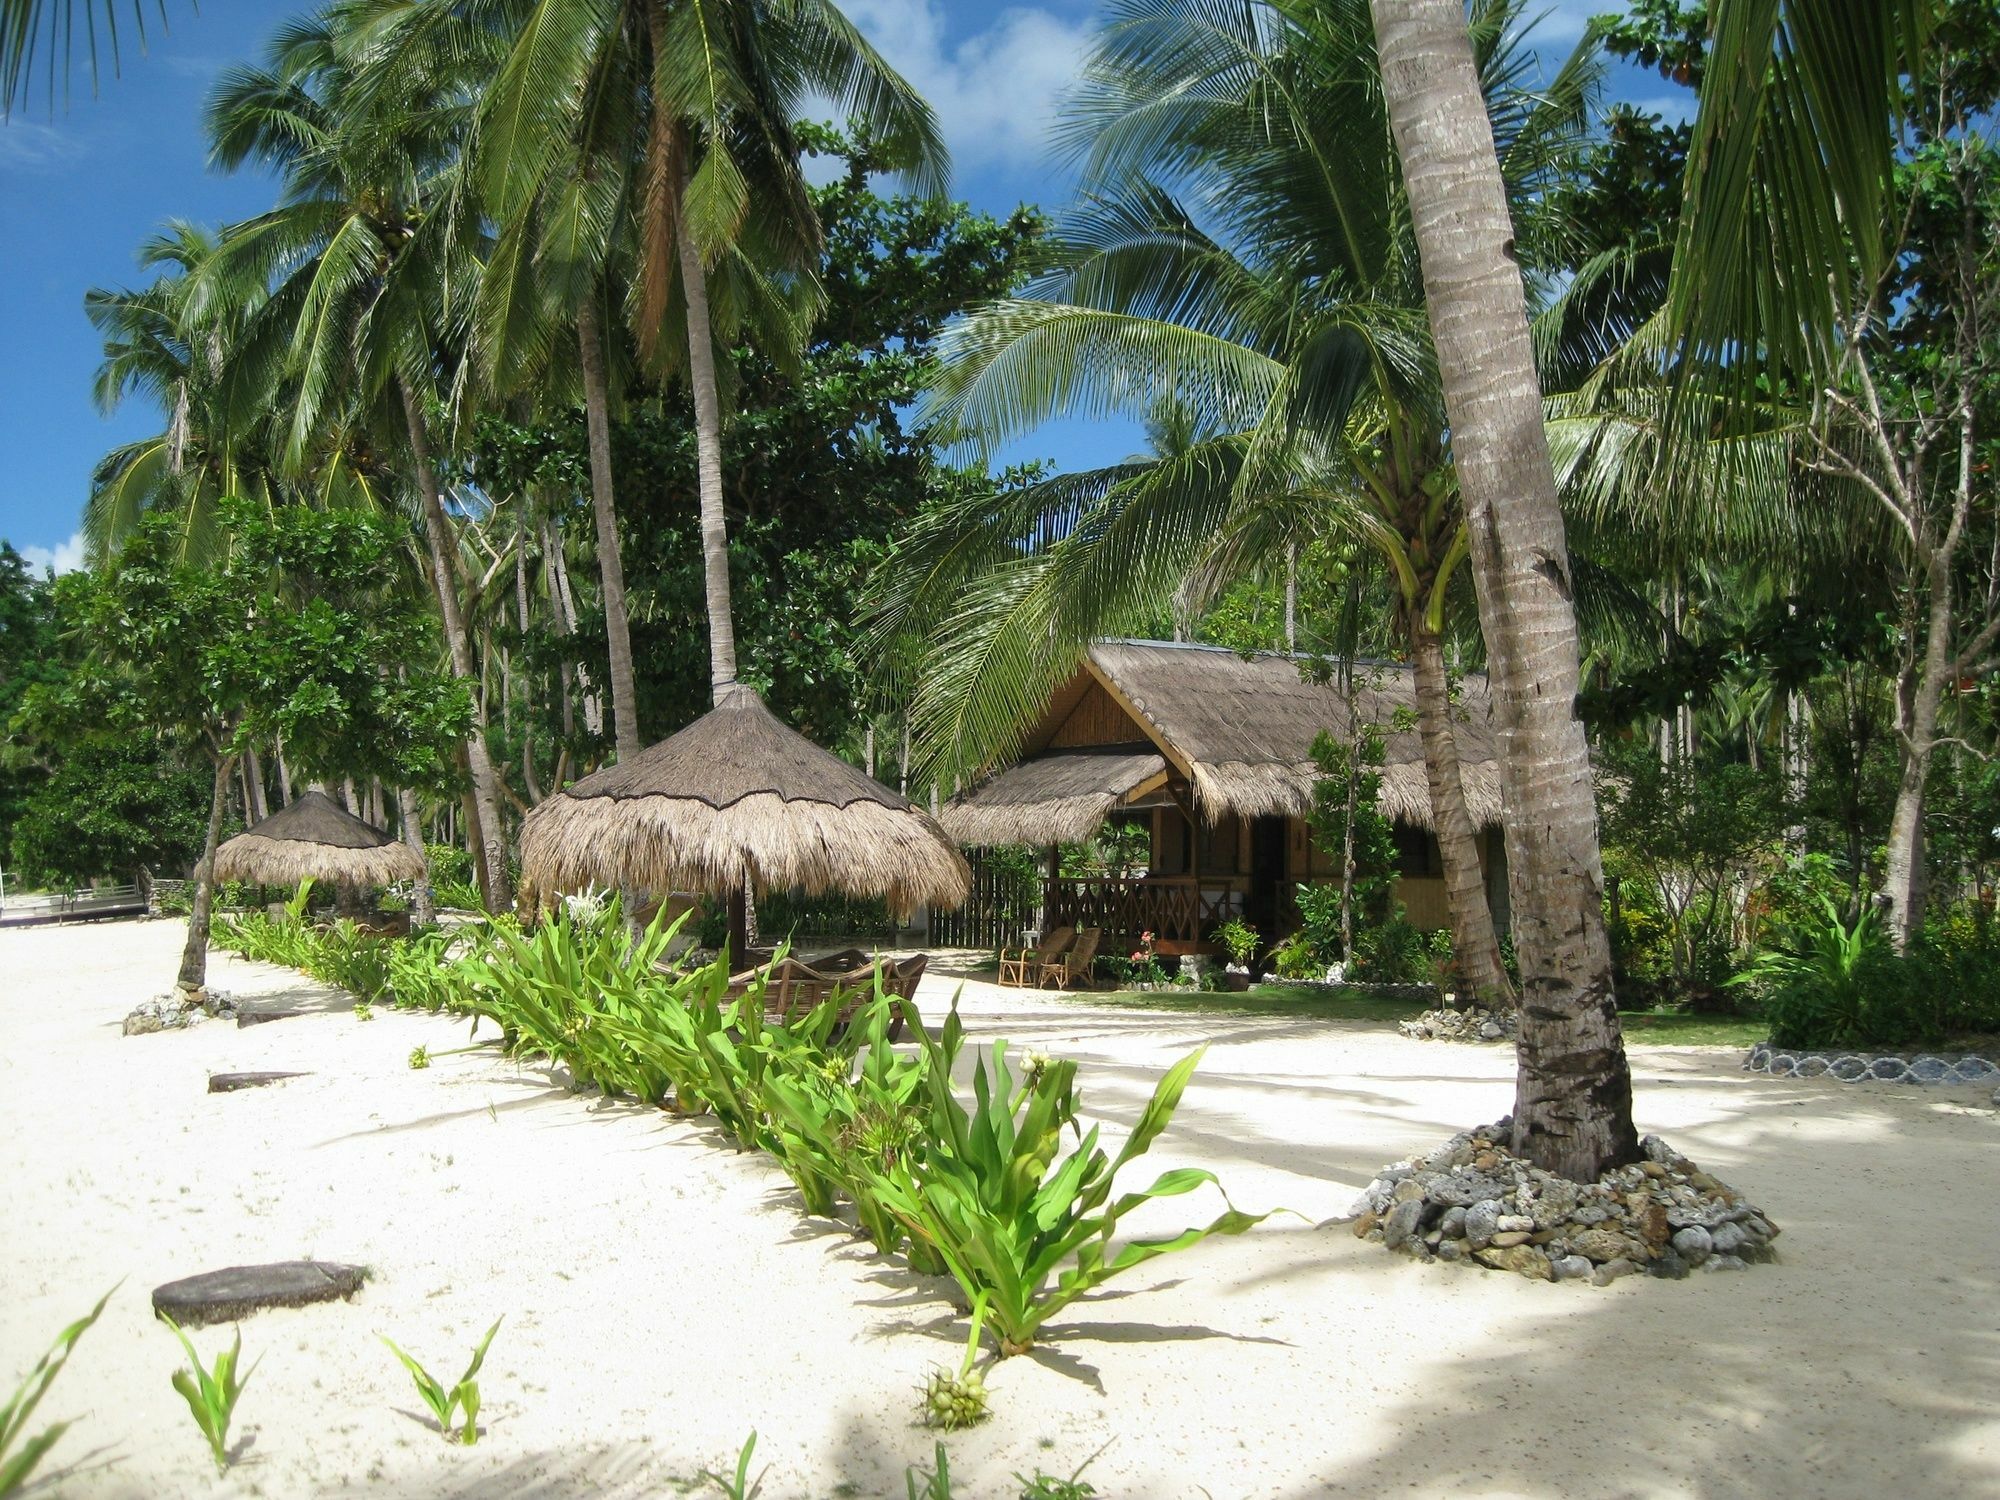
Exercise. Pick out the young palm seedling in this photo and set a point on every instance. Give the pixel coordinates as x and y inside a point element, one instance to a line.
<point>17,1465</point>
<point>211,1393</point>
<point>463,1397</point>
<point>739,1486</point>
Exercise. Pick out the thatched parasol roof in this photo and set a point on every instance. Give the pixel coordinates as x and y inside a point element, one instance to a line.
<point>737,795</point>
<point>316,838</point>
<point>1243,730</point>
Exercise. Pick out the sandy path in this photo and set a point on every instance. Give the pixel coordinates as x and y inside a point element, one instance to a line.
<point>663,1297</point>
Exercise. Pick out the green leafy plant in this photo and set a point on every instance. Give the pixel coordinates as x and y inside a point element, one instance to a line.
<point>1045,1486</point>
<point>1814,985</point>
<point>739,1485</point>
<point>363,1011</point>
<point>420,1057</point>
<point>462,1397</point>
<point>1024,1235</point>
<point>18,1459</point>
<point>211,1393</point>
<point>935,1482</point>
<point>1237,938</point>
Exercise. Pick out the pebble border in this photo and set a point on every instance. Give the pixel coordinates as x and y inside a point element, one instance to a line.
<point>1863,1067</point>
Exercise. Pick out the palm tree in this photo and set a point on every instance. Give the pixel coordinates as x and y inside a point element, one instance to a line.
<point>1573,1094</point>
<point>371,256</point>
<point>650,128</point>
<point>171,341</point>
<point>1295,331</point>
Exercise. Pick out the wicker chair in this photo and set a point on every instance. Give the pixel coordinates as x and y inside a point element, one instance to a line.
<point>1017,965</point>
<point>1072,969</point>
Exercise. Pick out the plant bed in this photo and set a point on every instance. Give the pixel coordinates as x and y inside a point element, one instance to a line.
<point>1472,1202</point>
<point>1872,1067</point>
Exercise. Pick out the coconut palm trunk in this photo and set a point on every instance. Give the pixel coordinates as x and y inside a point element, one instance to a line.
<point>485,784</point>
<point>708,464</point>
<point>1474,945</point>
<point>610,561</point>
<point>714,523</point>
<point>194,957</point>
<point>1573,1094</point>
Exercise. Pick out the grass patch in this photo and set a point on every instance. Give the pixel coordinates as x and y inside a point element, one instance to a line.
<point>1657,1028</point>
<point>1673,1029</point>
<point>1275,1000</point>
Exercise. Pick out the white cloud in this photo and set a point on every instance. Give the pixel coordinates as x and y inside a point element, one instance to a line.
<point>28,146</point>
<point>65,557</point>
<point>995,90</point>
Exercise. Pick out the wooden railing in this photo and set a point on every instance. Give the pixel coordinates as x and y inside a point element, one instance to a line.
<point>1177,909</point>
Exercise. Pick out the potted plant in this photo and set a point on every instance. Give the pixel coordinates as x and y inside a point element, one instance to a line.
<point>1238,941</point>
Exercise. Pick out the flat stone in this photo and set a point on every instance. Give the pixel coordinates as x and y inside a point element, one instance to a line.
<point>1611,1270</point>
<point>229,1083</point>
<point>259,1017</point>
<point>235,1292</point>
<point>1507,1238</point>
<point>1523,1260</point>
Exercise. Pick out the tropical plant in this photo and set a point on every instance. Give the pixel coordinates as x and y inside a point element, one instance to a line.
<point>652,127</point>
<point>17,1458</point>
<point>462,1398</point>
<point>1237,938</point>
<point>936,1480</point>
<point>420,1058</point>
<point>1573,1096</point>
<point>372,255</point>
<point>1022,1234</point>
<point>738,1485</point>
<point>211,1392</point>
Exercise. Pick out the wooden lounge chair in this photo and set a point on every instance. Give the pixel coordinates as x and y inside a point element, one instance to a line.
<point>1072,969</point>
<point>1024,965</point>
<point>793,986</point>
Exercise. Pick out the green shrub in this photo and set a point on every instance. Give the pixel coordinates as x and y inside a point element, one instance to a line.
<point>1237,938</point>
<point>1392,952</point>
<point>1023,1235</point>
<point>578,989</point>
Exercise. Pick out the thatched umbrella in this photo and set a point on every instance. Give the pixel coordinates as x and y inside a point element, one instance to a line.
<point>315,837</point>
<point>737,797</point>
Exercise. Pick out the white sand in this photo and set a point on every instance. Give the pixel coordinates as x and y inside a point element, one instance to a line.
<point>663,1296</point>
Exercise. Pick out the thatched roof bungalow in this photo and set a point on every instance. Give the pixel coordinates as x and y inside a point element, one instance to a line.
<point>1213,751</point>
<point>316,838</point>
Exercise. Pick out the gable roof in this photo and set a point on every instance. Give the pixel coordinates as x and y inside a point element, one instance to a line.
<point>1240,730</point>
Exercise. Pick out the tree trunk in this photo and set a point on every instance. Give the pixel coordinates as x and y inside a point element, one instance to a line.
<point>423,909</point>
<point>490,852</point>
<point>1798,765</point>
<point>1573,1096</point>
<point>284,773</point>
<point>194,957</point>
<point>708,452</point>
<point>1474,946</point>
<point>610,562</point>
<point>260,808</point>
<point>1917,707</point>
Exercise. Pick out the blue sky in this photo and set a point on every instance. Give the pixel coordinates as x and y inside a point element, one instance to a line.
<point>80,187</point>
